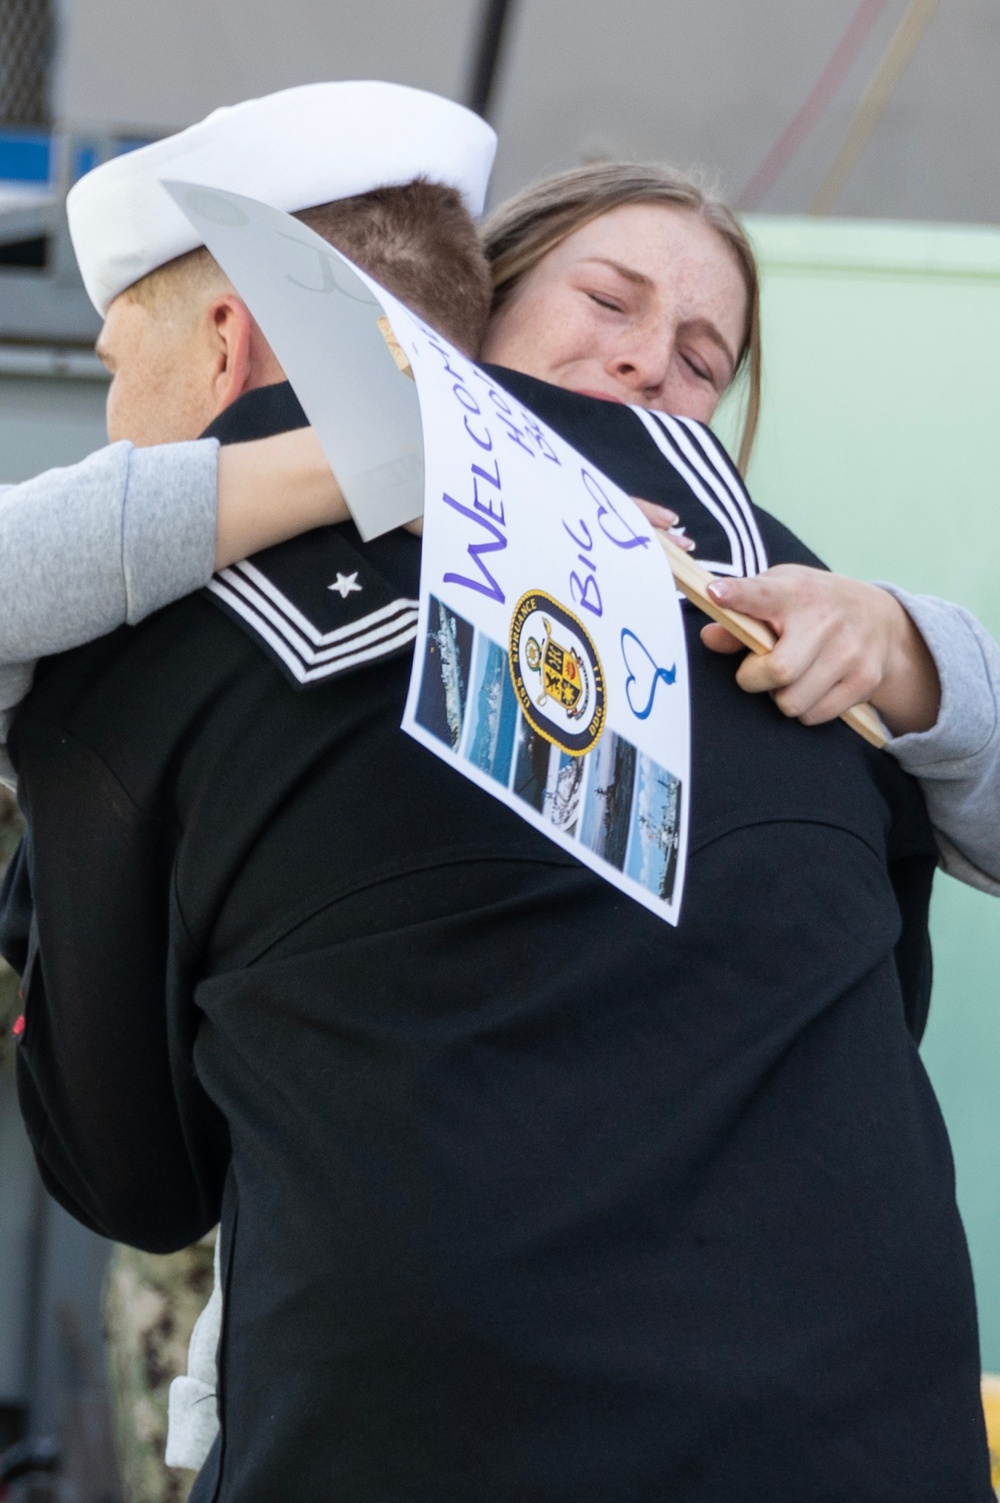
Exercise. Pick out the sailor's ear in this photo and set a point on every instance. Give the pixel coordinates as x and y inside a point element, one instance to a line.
<point>231,330</point>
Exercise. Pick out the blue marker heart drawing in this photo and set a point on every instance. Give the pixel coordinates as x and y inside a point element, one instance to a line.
<point>647,676</point>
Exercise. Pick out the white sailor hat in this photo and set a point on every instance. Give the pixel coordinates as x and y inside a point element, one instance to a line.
<point>292,150</point>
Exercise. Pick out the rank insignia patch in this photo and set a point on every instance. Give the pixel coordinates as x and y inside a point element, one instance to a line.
<point>313,629</point>
<point>557,674</point>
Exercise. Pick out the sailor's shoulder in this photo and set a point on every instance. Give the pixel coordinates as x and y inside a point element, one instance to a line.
<point>319,605</point>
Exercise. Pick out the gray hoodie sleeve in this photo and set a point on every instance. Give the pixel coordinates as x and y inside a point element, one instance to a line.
<point>84,550</point>
<point>958,759</point>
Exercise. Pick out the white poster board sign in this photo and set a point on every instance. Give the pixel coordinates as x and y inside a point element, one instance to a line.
<point>550,664</point>
<point>319,315</point>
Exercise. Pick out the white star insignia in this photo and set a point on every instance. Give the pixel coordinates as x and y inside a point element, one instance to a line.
<point>346,584</point>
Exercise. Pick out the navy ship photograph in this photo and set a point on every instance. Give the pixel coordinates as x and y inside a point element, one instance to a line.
<point>444,686</point>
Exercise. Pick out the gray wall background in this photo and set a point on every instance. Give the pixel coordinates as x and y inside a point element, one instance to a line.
<point>46,422</point>
<point>711,84</point>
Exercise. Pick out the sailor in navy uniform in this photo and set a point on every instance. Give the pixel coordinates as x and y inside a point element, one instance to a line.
<point>525,1195</point>
<point>646,1213</point>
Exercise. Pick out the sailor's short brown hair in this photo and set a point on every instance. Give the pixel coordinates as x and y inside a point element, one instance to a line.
<point>418,240</point>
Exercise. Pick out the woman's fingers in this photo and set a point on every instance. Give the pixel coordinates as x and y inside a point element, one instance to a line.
<point>835,702</point>
<point>823,691</point>
<point>839,643</point>
<point>660,516</point>
<point>767,597</point>
<point>798,671</point>
<point>666,520</point>
<point>720,640</point>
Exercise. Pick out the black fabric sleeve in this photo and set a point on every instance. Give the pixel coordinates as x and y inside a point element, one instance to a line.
<point>912,877</point>
<point>16,908</point>
<point>912,858</point>
<point>124,1136</point>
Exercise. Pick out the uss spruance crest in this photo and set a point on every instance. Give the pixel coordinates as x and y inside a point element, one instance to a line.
<point>557,674</point>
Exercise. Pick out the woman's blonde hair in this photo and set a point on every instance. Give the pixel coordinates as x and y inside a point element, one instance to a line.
<point>520,232</point>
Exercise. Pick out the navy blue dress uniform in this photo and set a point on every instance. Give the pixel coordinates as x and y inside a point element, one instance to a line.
<point>526,1196</point>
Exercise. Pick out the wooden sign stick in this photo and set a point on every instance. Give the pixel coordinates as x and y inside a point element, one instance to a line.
<point>757,635</point>
<point>395,348</point>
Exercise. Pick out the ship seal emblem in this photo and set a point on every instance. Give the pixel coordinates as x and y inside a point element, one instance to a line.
<point>557,674</point>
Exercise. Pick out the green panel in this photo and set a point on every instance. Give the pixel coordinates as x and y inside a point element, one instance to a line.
<point>880,445</point>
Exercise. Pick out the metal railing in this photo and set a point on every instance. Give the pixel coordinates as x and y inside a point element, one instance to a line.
<point>26,45</point>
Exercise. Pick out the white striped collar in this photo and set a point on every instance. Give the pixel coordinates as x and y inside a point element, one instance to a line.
<point>699,458</point>
<point>288,599</point>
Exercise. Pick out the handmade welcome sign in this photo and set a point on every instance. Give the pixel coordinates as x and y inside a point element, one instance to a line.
<point>550,664</point>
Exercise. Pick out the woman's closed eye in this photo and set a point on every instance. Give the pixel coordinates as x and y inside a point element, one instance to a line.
<point>604,301</point>
<point>700,368</point>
